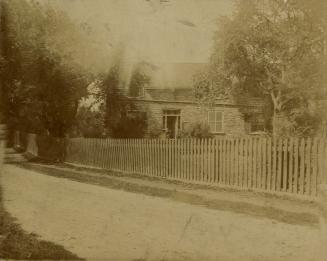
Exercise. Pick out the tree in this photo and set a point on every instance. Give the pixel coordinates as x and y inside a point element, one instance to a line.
<point>122,119</point>
<point>42,78</point>
<point>274,49</point>
<point>139,80</point>
<point>111,94</point>
<point>59,91</point>
<point>10,57</point>
<point>90,123</point>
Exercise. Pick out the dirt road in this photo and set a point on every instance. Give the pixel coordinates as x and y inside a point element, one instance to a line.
<point>98,222</point>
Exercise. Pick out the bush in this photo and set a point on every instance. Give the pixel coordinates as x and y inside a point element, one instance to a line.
<point>89,124</point>
<point>51,148</point>
<point>130,127</point>
<point>196,130</point>
<point>156,131</point>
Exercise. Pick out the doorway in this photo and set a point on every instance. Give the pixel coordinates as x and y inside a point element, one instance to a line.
<point>172,122</point>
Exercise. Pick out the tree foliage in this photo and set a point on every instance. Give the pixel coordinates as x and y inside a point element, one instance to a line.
<point>89,123</point>
<point>122,118</point>
<point>139,80</point>
<point>41,77</point>
<point>273,48</point>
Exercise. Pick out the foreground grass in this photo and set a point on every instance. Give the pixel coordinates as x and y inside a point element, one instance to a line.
<point>17,244</point>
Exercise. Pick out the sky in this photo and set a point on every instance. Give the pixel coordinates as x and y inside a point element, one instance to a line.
<point>157,31</point>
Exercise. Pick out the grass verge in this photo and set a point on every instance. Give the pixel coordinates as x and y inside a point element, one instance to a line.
<point>17,244</point>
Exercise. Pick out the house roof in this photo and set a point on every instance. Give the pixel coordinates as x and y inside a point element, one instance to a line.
<point>181,94</point>
<point>188,95</point>
<point>173,82</point>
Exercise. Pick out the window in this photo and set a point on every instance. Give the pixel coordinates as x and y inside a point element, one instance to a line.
<point>256,123</point>
<point>141,92</point>
<point>138,92</point>
<point>215,121</point>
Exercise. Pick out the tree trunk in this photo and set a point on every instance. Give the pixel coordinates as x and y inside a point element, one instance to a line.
<point>274,123</point>
<point>276,99</point>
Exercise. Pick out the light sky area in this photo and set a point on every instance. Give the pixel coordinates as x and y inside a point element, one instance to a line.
<point>158,31</point>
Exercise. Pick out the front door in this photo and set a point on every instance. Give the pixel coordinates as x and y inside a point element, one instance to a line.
<point>171,126</point>
<point>171,122</point>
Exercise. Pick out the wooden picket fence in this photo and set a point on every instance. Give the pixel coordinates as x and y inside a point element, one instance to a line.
<point>292,165</point>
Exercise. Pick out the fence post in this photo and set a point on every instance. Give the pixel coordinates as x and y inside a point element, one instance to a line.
<point>280,160</point>
<point>255,163</point>
<point>232,162</point>
<point>296,166</point>
<point>284,160</point>
<point>290,165</point>
<point>269,154</point>
<point>246,163</point>
<point>308,168</point>
<point>314,158</point>
<point>302,165</point>
<point>264,164</point>
<point>259,163</point>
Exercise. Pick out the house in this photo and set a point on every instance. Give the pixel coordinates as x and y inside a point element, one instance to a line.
<point>170,105</point>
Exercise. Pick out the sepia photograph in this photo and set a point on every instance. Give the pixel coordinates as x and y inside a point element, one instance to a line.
<point>163,130</point>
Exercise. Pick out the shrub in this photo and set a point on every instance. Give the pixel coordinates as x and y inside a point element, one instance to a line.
<point>51,148</point>
<point>196,130</point>
<point>130,126</point>
<point>89,124</point>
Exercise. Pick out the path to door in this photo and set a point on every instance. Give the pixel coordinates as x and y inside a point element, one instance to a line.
<point>98,222</point>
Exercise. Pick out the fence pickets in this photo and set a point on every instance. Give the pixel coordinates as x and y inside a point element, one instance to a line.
<point>291,165</point>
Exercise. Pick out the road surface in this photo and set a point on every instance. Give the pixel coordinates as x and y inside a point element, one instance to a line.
<point>98,222</point>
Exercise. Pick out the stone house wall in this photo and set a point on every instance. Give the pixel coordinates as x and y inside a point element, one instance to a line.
<point>234,123</point>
